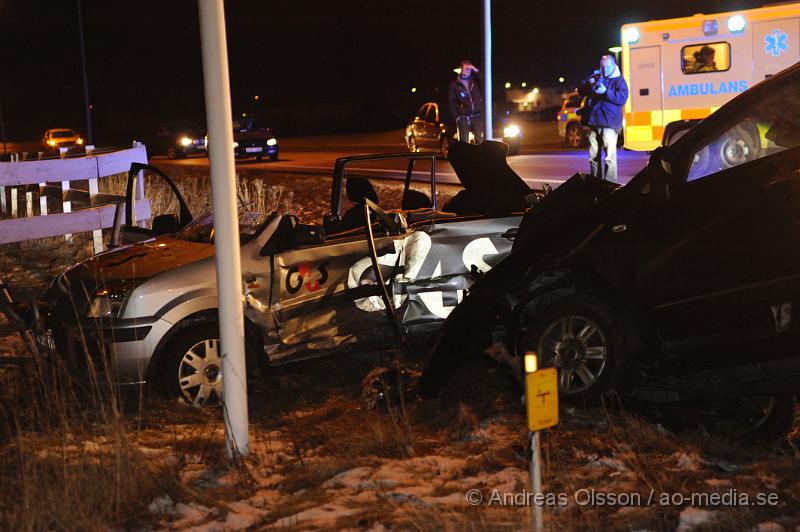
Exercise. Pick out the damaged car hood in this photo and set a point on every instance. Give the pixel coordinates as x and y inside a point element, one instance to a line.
<point>139,261</point>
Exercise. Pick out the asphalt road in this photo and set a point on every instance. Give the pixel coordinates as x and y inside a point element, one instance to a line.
<point>541,160</point>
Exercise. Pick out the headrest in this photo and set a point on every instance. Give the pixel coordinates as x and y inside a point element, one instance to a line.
<point>359,188</point>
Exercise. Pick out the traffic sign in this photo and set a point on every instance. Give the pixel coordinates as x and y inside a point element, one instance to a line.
<point>541,392</point>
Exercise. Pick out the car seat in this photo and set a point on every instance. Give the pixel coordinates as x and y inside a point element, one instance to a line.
<point>358,189</point>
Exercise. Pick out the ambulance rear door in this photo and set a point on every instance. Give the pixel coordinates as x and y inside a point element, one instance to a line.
<point>645,94</point>
<point>776,45</point>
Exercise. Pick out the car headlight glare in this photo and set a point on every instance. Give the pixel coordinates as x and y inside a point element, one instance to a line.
<point>108,300</point>
<point>511,131</point>
<point>272,142</point>
<point>186,141</point>
<point>235,144</point>
<point>79,142</point>
<point>51,142</point>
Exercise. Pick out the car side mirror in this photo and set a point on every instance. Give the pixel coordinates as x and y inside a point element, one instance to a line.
<point>661,167</point>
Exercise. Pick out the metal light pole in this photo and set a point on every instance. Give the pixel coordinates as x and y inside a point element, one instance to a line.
<point>89,136</point>
<point>487,65</point>
<point>3,128</point>
<point>226,224</point>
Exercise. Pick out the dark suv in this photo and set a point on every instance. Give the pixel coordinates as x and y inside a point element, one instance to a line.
<point>683,281</point>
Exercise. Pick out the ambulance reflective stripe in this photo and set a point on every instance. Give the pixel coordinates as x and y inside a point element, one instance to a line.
<point>648,126</point>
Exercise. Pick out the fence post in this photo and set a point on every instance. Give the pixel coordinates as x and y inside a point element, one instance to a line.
<point>139,191</point>
<point>13,202</point>
<point>29,204</point>
<point>97,234</point>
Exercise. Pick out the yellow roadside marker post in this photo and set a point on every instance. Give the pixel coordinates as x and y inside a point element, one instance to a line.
<point>541,398</point>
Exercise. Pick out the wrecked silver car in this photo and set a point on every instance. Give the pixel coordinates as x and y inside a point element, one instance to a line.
<point>147,311</point>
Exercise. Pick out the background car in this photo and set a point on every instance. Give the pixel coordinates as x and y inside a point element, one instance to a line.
<point>56,138</point>
<point>569,123</point>
<point>431,129</point>
<point>175,140</point>
<point>570,129</point>
<point>251,138</point>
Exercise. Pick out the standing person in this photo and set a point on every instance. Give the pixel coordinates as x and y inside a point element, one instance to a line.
<point>607,93</point>
<point>466,103</point>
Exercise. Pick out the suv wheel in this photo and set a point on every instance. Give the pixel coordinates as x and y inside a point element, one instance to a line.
<point>583,338</point>
<point>172,153</point>
<point>573,138</point>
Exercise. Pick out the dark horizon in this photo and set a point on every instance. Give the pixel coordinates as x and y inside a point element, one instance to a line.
<point>356,61</point>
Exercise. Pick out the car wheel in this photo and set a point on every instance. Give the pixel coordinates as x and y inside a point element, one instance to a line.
<point>444,147</point>
<point>738,147</point>
<point>412,143</point>
<point>513,147</point>
<point>583,338</point>
<point>573,138</point>
<point>191,368</point>
<point>172,153</point>
<point>273,157</point>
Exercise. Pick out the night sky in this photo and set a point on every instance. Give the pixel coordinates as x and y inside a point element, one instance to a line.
<point>302,57</point>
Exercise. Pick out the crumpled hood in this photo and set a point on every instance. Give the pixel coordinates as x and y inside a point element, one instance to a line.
<point>137,262</point>
<point>492,185</point>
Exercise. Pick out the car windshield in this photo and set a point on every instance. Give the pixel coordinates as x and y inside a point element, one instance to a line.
<point>62,134</point>
<point>201,229</point>
<point>248,124</point>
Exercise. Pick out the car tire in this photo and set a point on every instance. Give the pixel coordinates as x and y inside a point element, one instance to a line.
<point>190,367</point>
<point>585,340</point>
<point>573,137</point>
<point>273,157</point>
<point>412,144</point>
<point>513,148</point>
<point>444,148</point>
<point>173,153</point>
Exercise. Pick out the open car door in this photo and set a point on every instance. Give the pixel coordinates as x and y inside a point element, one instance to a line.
<point>129,231</point>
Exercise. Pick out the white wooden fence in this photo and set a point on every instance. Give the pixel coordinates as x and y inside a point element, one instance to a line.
<point>101,207</point>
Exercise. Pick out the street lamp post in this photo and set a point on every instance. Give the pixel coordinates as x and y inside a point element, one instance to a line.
<point>216,82</point>
<point>487,65</point>
<point>89,136</point>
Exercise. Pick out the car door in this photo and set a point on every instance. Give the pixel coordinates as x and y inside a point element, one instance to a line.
<point>718,263</point>
<point>318,303</point>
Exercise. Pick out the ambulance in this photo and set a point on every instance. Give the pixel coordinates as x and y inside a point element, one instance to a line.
<point>686,68</point>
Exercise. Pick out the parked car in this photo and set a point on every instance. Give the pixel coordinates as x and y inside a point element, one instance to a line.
<point>251,138</point>
<point>569,122</point>
<point>56,138</point>
<point>684,281</point>
<point>431,129</point>
<point>176,140</point>
<point>147,310</point>
<point>575,134</point>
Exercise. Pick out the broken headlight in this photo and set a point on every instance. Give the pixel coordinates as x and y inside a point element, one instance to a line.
<point>108,299</point>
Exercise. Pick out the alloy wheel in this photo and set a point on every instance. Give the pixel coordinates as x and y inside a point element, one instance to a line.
<point>200,373</point>
<point>577,347</point>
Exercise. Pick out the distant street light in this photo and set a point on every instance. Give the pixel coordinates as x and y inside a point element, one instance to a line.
<point>561,79</point>
<point>256,97</point>
<point>413,89</point>
<point>536,90</point>
<point>524,85</point>
<point>508,84</point>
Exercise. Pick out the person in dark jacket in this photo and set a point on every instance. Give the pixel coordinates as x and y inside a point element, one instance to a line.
<point>607,93</point>
<point>466,103</point>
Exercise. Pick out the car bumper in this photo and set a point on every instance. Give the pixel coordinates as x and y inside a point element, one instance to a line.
<point>120,350</point>
<point>255,151</point>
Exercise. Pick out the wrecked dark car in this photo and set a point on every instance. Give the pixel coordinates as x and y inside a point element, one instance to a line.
<point>679,285</point>
<point>147,310</point>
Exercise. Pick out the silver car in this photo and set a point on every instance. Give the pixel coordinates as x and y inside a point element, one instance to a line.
<point>147,310</point>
